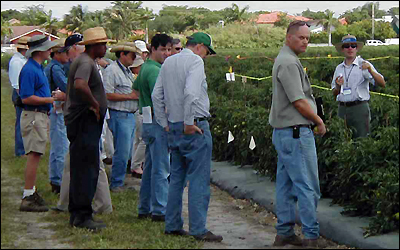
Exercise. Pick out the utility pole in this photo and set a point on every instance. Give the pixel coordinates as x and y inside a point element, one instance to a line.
<point>373,19</point>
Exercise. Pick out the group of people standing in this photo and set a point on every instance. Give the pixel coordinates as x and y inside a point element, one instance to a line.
<point>155,103</point>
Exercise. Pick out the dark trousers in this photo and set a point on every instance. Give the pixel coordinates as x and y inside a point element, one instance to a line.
<point>84,136</point>
<point>19,144</point>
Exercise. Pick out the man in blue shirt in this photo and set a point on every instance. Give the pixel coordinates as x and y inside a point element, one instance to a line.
<point>58,133</point>
<point>37,100</point>
<point>15,65</point>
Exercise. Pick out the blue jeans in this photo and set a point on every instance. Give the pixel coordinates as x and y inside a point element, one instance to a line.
<point>19,145</point>
<point>59,146</point>
<point>122,126</point>
<point>191,160</point>
<point>297,176</point>
<point>153,196</point>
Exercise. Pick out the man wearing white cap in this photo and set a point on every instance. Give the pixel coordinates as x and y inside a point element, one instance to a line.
<point>37,102</point>
<point>16,63</point>
<point>143,48</point>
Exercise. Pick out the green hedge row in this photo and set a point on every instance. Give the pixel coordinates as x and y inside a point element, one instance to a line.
<point>362,175</point>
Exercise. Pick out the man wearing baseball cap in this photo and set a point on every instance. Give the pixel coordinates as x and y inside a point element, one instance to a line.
<point>37,102</point>
<point>181,88</point>
<point>141,45</point>
<point>16,63</point>
<point>350,86</point>
<point>58,134</point>
<point>84,114</point>
<point>73,49</point>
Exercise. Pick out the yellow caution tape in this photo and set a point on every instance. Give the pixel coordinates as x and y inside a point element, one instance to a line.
<point>375,93</point>
<point>230,69</point>
<point>254,78</point>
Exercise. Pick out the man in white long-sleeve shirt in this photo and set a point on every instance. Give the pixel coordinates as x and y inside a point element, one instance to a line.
<point>16,63</point>
<point>181,89</point>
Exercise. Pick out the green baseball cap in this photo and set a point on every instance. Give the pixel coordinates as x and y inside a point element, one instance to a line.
<point>204,38</point>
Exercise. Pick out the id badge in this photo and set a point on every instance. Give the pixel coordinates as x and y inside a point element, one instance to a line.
<point>346,91</point>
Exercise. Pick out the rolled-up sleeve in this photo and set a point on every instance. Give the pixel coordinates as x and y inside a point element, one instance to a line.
<point>158,101</point>
<point>192,90</point>
<point>290,78</point>
<point>59,78</point>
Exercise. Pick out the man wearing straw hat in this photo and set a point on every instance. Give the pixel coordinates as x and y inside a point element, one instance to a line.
<point>350,86</point>
<point>37,102</point>
<point>58,133</point>
<point>16,63</point>
<point>122,105</point>
<point>84,113</point>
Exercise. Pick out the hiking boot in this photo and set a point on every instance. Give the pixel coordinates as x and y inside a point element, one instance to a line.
<point>144,216</point>
<point>33,203</point>
<point>209,236</point>
<point>281,241</point>
<point>55,188</point>
<point>177,233</point>
<point>89,224</point>
<point>158,218</point>
<point>314,243</point>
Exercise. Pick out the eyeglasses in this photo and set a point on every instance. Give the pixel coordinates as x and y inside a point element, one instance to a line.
<point>346,46</point>
<point>296,23</point>
<point>178,48</point>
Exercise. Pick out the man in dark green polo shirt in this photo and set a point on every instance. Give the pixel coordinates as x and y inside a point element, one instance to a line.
<point>154,187</point>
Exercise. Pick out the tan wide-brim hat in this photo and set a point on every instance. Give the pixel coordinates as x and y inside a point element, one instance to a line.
<point>95,35</point>
<point>349,39</point>
<point>126,46</point>
<point>137,62</point>
<point>39,43</point>
<point>22,43</point>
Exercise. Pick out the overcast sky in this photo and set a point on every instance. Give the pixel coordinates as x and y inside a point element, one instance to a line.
<point>60,8</point>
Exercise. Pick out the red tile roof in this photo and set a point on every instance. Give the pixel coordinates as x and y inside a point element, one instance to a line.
<point>274,16</point>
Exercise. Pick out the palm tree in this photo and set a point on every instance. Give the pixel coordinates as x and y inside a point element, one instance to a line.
<point>51,24</point>
<point>328,22</point>
<point>236,14</point>
<point>75,20</point>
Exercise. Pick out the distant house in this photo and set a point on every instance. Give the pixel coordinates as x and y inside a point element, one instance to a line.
<point>14,21</point>
<point>315,27</point>
<point>20,31</point>
<point>271,18</point>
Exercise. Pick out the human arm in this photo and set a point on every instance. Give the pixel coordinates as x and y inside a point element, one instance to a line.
<point>305,110</point>
<point>192,90</point>
<point>157,98</point>
<point>59,78</point>
<point>337,82</point>
<point>371,69</point>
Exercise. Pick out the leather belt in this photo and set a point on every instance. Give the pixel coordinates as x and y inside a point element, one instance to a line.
<point>302,125</point>
<point>350,104</point>
<point>37,110</point>
<point>199,119</point>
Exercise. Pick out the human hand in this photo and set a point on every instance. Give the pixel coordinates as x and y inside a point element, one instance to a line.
<point>192,129</point>
<point>366,65</point>
<point>166,129</point>
<point>320,129</point>
<point>102,62</point>
<point>339,80</point>
<point>96,111</point>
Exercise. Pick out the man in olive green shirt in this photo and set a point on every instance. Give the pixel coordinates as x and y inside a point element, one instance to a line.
<point>153,194</point>
<point>293,110</point>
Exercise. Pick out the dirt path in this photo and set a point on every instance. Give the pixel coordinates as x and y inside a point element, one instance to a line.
<point>32,233</point>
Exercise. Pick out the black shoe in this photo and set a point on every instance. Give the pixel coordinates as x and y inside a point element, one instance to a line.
<point>89,224</point>
<point>144,216</point>
<point>136,175</point>
<point>158,217</point>
<point>177,233</point>
<point>55,188</point>
<point>209,236</point>
<point>107,161</point>
<point>128,167</point>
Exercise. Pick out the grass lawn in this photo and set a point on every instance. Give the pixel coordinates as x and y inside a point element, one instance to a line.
<point>123,230</point>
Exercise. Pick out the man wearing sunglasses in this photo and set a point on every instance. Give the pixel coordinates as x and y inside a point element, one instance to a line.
<point>350,86</point>
<point>176,46</point>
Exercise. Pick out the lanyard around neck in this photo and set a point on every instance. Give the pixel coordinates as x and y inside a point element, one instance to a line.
<point>348,76</point>
<point>125,71</point>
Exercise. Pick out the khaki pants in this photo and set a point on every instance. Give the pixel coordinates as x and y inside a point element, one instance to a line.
<point>102,197</point>
<point>139,147</point>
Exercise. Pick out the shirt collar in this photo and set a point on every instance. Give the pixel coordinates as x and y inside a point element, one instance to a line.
<point>58,63</point>
<point>17,54</point>
<point>123,66</point>
<point>150,61</point>
<point>288,50</point>
<point>355,62</point>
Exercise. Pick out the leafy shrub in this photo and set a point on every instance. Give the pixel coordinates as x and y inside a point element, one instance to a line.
<point>5,59</point>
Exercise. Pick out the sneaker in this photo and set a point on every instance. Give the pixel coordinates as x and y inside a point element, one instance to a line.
<point>33,203</point>
<point>89,224</point>
<point>314,243</point>
<point>158,218</point>
<point>209,236</point>
<point>177,233</point>
<point>144,216</point>
<point>281,241</point>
